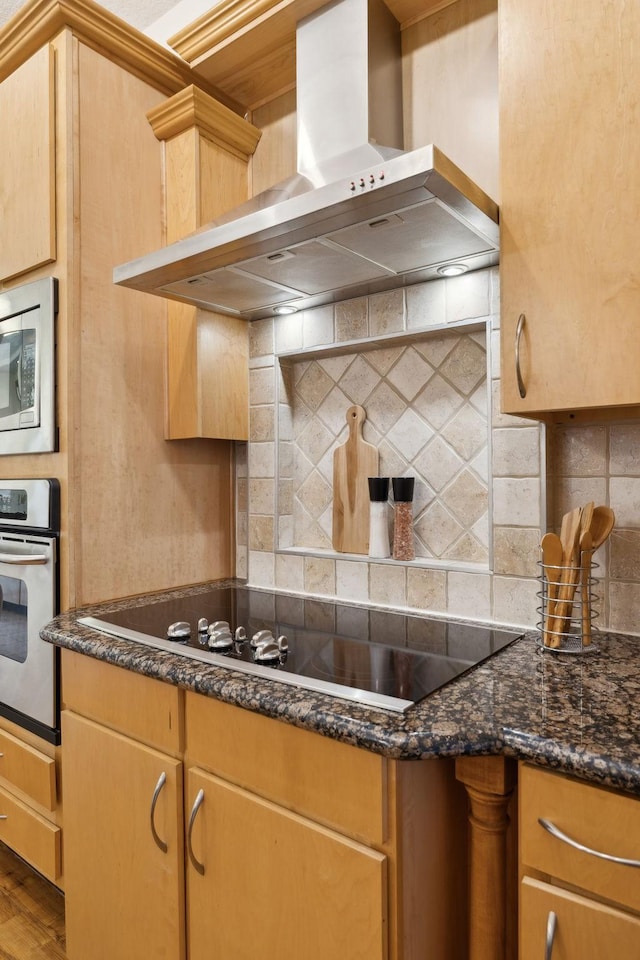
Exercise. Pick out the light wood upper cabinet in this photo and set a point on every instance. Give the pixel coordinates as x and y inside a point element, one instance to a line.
<point>570,207</point>
<point>27,166</point>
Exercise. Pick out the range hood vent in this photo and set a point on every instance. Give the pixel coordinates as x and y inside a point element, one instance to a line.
<point>358,218</point>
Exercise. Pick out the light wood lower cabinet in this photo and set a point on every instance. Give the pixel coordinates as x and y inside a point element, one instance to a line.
<point>124,893</point>
<point>266,882</point>
<point>579,899</point>
<point>296,845</point>
<point>560,925</point>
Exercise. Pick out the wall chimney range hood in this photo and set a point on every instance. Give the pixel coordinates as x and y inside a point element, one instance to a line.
<point>358,218</point>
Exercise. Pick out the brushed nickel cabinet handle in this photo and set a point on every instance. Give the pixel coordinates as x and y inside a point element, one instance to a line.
<point>162,779</point>
<point>559,835</point>
<point>552,922</point>
<point>522,390</point>
<point>194,810</point>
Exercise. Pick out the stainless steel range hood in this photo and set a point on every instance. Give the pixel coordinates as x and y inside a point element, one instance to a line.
<point>358,218</point>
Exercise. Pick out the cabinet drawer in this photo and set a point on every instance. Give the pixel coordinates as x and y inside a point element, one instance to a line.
<point>600,819</point>
<point>30,835</point>
<point>146,709</point>
<point>28,770</point>
<point>328,781</point>
<point>584,929</point>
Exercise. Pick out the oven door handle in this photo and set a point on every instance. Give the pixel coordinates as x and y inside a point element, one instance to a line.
<point>23,559</point>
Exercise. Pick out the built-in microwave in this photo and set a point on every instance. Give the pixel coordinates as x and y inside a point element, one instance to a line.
<point>27,367</point>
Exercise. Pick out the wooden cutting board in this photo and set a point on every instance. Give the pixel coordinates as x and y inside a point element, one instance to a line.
<point>353,463</point>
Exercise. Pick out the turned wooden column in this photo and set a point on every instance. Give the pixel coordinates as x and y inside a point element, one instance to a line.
<point>489,782</point>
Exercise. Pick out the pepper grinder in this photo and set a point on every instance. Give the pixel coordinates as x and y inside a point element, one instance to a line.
<point>378,522</point>
<point>403,548</point>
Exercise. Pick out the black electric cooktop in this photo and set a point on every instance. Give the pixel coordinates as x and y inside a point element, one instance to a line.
<point>374,657</point>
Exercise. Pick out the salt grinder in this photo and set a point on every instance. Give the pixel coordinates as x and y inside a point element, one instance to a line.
<point>378,519</point>
<point>403,548</point>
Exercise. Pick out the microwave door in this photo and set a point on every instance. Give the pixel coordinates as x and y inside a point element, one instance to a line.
<point>18,380</point>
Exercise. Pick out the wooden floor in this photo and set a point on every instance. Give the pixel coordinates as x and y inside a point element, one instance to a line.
<point>31,913</point>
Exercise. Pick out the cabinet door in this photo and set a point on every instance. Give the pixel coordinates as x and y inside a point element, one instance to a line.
<point>27,166</point>
<point>278,885</point>
<point>584,929</point>
<point>124,894</point>
<point>570,203</point>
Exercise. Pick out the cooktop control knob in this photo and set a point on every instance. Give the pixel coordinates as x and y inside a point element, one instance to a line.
<point>267,652</point>
<point>240,635</point>
<point>179,631</point>
<point>220,641</point>
<point>283,645</point>
<point>219,625</point>
<point>262,636</point>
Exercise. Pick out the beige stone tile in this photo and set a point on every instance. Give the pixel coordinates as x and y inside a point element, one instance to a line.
<point>261,533</point>
<point>516,452</point>
<point>438,463</point>
<point>624,449</point>
<point>516,551</point>
<point>262,422</point>
<point>426,590</point>
<point>467,296</point>
<point>314,386</point>
<point>320,576</point>
<point>285,496</point>
<point>517,502</point>
<point>569,492</point>
<point>289,572</point>
<point>581,451</point>
<point>515,602</point>
<point>262,496</point>
<point>288,333</point>
<point>624,603</point>
<point>317,326</point>
<point>242,562</point>
<point>437,529</point>
<point>352,319</point>
<point>409,434</point>
<point>352,580</point>
<point>466,432</point>
<point>285,532</point>
<point>261,459</point>
<point>315,494</point>
<point>359,380</point>
<point>262,385</point>
<point>261,338</point>
<point>425,304</point>
<point>466,498</point>
<point>410,374</point>
<point>624,493</point>
<point>465,366</point>
<point>388,584</point>
<point>438,402</point>
<point>469,595</point>
<point>241,494</point>
<point>499,419</point>
<point>333,411</point>
<point>468,549</point>
<point>386,313</point>
<point>315,440</point>
<point>624,554</point>
<point>261,570</point>
<point>242,525</point>
<point>383,359</point>
<point>384,407</point>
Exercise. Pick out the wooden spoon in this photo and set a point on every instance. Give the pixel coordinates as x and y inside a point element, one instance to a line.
<point>586,553</point>
<point>570,538</point>
<point>551,546</point>
<point>601,525</point>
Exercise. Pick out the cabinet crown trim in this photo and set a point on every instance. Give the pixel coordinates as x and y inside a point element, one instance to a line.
<point>193,107</point>
<point>38,21</point>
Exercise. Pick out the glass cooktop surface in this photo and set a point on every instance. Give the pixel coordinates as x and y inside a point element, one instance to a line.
<point>375,657</point>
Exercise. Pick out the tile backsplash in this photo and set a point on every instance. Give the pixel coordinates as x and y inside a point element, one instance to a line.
<point>423,362</point>
<point>426,407</point>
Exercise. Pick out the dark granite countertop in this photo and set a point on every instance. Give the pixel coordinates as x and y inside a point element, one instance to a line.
<point>576,714</point>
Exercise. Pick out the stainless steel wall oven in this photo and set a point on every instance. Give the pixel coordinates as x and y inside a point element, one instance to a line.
<point>29,592</point>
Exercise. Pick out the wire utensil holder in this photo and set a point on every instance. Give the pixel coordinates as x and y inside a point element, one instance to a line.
<point>568,608</point>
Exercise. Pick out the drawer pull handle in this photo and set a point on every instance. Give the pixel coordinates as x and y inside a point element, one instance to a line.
<point>522,390</point>
<point>162,779</point>
<point>559,835</point>
<point>552,922</point>
<point>3,816</point>
<point>192,819</point>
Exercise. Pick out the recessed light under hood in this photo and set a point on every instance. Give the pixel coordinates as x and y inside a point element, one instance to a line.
<point>358,218</point>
